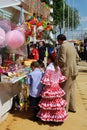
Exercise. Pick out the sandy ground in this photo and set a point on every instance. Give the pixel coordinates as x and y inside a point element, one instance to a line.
<point>75,121</point>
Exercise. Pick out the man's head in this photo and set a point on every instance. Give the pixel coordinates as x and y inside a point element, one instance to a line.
<point>61,38</point>
<point>41,43</point>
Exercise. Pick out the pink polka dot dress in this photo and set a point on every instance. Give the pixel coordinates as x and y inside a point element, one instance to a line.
<point>52,105</point>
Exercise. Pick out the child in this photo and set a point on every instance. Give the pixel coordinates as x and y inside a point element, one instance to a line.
<point>35,52</point>
<point>33,80</point>
<point>52,105</point>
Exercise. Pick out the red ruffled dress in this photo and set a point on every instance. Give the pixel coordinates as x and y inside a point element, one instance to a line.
<point>52,105</point>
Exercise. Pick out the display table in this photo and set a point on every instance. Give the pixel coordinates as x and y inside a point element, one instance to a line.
<point>8,89</point>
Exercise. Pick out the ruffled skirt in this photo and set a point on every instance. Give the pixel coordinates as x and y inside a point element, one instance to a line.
<point>52,92</point>
<point>54,116</point>
<point>52,105</point>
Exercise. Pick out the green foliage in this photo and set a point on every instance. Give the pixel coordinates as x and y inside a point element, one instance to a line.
<point>58,11</point>
<point>74,19</point>
<point>58,14</point>
<point>46,1</point>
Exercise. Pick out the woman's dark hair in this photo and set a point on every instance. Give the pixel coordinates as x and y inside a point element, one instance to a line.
<point>61,37</point>
<point>41,64</point>
<point>50,56</point>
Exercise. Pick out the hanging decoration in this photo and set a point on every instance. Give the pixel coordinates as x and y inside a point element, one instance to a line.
<point>22,28</point>
<point>41,25</point>
<point>37,19</point>
<point>48,28</point>
<point>5,25</point>
<point>28,17</point>
<point>45,23</point>
<point>15,39</point>
<point>2,36</point>
<point>21,17</point>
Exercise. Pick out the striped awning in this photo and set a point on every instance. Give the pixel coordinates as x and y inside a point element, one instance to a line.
<point>9,3</point>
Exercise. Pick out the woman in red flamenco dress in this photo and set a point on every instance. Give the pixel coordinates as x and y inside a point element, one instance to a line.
<point>52,105</point>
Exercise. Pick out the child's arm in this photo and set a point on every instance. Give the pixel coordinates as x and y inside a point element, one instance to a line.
<point>28,80</point>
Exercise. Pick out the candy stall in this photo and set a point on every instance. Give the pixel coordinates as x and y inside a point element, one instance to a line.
<point>12,76</point>
<point>10,85</point>
<point>15,34</point>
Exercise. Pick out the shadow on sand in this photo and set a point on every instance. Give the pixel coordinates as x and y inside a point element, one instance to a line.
<point>28,115</point>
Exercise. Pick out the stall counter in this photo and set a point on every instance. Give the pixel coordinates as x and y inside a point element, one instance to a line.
<point>8,89</point>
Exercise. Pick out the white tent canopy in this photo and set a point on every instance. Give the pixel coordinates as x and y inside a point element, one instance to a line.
<point>10,9</point>
<point>9,3</point>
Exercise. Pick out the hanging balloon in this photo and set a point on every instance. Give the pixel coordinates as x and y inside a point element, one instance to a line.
<point>38,18</point>
<point>27,40</point>
<point>28,33</point>
<point>44,3</point>
<point>48,28</point>
<point>47,6</point>
<point>21,28</point>
<point>41,28</point>
<point>2,36</point>
<point>39,23</point>
<point>45,24</point>
<point>0,70</point>
<point>15,39</point>
<point>29,17</point>
<point>33,21</point>
<point>5,25</point>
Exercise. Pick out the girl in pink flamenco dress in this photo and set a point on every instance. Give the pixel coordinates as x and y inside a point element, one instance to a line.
<point>52,105</point>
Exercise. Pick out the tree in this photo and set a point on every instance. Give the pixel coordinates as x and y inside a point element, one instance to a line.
<point>58,14</point>
<point>46,1</point>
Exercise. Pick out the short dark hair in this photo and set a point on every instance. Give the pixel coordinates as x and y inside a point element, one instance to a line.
<point>61,37</point>
<point>34,45</point>
<point>35,64</point>
<point>41,64</point>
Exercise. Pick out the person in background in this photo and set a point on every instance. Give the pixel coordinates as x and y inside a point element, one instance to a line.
<point>85,51</point>
<point>42,50</point>
<point>52,105</point>
<point>67,61</point>
<point>50,49</point>
<point>35,87</point>
<point>82,52</point>
<point>35,52</point>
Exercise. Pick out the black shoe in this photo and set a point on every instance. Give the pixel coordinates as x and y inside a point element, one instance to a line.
<point>34,118</point>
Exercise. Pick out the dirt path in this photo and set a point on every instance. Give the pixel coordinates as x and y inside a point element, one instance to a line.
<point>75,121</point>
